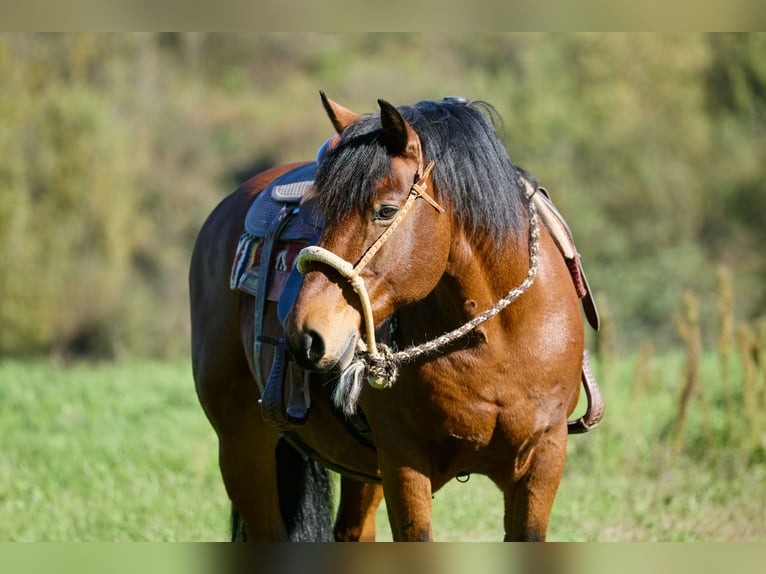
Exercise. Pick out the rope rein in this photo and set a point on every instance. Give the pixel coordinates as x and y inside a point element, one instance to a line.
<point>379,364</point>
<point>384,365</point>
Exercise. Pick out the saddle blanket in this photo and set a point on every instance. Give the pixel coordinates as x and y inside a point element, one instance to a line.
<point>250,253</point>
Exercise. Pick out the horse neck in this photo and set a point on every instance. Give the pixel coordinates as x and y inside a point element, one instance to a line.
<point>477,275</point>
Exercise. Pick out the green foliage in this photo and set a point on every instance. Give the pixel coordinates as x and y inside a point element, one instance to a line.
<point>67,215</point>
<point>114,147</point>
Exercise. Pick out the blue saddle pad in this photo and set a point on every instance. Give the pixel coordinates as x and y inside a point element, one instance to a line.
<point>283,196</point>
<point>285,192</point>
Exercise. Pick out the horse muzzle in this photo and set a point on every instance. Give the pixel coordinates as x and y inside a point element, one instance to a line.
<point>314,352</point>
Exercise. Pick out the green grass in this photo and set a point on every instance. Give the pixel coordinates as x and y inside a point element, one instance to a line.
<point>622,481</point>
<point>123,452</point>
<point>106,453</point>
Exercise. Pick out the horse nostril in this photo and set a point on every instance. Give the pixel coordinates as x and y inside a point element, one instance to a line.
<point>312,352</point>
<point>312,345</point>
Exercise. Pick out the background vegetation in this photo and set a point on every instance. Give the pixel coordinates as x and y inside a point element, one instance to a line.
<point>115,147</point>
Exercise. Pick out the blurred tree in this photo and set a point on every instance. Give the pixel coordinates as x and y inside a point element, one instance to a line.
<point>114,147</point>
<point>68,205</point>
<point>733,228</point>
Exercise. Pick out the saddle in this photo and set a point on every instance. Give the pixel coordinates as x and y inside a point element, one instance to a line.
<point>281,221</point>
<point>562,236</point>
<point>277,226</point>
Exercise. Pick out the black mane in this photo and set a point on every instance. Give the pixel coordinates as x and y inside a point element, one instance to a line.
<point>472,171</point>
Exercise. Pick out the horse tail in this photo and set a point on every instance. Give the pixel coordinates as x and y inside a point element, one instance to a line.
<point>238,532</point>
<point>305,496</point>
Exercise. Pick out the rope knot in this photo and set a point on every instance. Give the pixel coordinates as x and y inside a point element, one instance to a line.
<point>382,368</point>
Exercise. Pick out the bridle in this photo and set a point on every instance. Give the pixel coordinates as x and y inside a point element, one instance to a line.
<point>314,253</point>
<point>380,364</point>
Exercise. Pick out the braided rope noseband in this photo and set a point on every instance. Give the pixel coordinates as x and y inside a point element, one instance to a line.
<point>379,363</point>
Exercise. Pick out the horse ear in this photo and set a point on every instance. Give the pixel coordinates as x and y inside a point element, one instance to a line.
<point>340,117</point>
<point>398,137</point>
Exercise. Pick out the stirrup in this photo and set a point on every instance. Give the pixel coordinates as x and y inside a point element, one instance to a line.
<point>595,411</point>
<point>275,411</point>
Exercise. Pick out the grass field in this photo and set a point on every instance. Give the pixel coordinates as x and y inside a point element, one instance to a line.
<point>123,452</point>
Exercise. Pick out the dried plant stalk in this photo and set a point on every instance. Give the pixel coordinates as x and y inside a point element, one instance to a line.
<point>725,331</point>
<point>689,329</point>
<point>747,353</point>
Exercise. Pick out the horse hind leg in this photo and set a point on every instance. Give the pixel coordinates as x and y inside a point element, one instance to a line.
<point>355,521</point>
<point>246,444</point>
<point>277,494</point>
<point>249,470</point>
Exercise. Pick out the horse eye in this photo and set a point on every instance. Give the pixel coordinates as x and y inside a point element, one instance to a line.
<point>386,213</point>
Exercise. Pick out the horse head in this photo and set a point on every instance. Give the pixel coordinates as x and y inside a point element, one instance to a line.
<point>377,234</point>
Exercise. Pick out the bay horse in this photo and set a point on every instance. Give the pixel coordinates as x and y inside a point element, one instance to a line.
<point>434,282</point>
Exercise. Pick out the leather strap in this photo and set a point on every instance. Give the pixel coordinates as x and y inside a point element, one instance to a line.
<point>264,268</point>
<point>272,397</point>
<point>595,411</point>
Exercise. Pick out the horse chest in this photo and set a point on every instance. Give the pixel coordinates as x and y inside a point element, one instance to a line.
<point>457,432</point>
<point>471,423</point>
<point>450,407</point>
<point>447,410</point>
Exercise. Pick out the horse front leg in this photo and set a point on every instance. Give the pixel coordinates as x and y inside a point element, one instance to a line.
<point>355,520</point>
<point>408,501</point>
<point>530,487</point>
